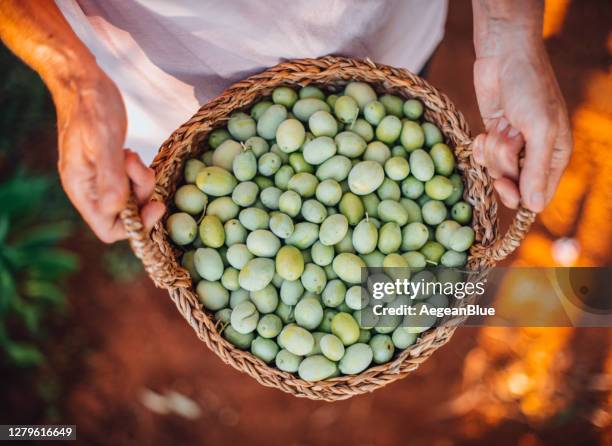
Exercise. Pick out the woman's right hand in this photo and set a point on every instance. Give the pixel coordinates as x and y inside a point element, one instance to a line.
<point>94,168</point>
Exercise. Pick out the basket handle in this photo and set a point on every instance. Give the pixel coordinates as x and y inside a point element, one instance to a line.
<point>165,274</point>
<point>505,245</point>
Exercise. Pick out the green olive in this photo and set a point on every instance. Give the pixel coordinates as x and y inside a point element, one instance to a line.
<point>244,165</point>
<point>329,192</point>
<point>224,208</point>
<point>333,229</point>
<point>335,168</point>
<point>365,177</point>
<point>319,150</point>
<point>296,340</point>
<point>389,129</point>
<point>287,361</point>
<point>453,259</point>
<point>263,243</point>
<point>241,127</point>
<point>208,264</point>
<point>268,124</point>
<point>389,238</point>
<point>345,327</point>
<point>316,368</point>
<point>389,190</point>
<point>212,295</point>
<point>322,123</point>
<point>308,313</point>
<point>414,236</point>
<point>461,212</point>
<point>313,211</point>
<point>216,137</point>
<point>361,92</point>
<point>362,128</point>
<point>416,261</point>
<point>350,144</point>
<point>432,134</point>
<point>216,181</point>
<point>332,347</point>
<point>303,183</point>
<point>238,255</point>
<point>443,159</point>
<point>365,237</point>
<point>462,239</point>
<point>304,235</point>
<point>314,278</point>
<point>389,210</point>
<point>190,199</point>
<point>413,109</point>
<point>256,274</point>
<point>370,203</point>
<point>244,317</point>
<point>432,251</point>
<point>434,212</point>
<point>397,168</point>
<point>254,218</point>
<point>229,279</point>
<point>413,210</point>
<point>192,168</point>
<point>333,294</point>
<point>266,299</point>
<point>346,109</point>
<point>285,96</point>
<point>412,188</point>
<point>305,108</point>
<point>356,359</point>
<point>212,232</point>
<point>377,151</point>
<point>382,348</point>
<point>439,188</point>
<point>348,267</point>
<point>259,109</point>
<point>264,349</point>
<point>289,263</point>
<point>393,104</point>
<point>412,136</point>
<point>457,193</point>
<point>374,112</point>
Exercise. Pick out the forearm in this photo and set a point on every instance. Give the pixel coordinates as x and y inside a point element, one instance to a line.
<point>36,32</point>
<point>499,21</point>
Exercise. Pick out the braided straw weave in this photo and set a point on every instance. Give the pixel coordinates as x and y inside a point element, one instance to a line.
<point>160,257</point>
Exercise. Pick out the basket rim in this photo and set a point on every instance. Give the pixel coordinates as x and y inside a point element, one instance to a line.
<point>186,141</point>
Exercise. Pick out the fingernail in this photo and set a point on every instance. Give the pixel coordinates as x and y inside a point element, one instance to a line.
<point>513,132</point>
<point>502,124</point>
<point>537,201</point>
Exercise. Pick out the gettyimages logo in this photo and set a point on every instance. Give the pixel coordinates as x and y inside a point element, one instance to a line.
<point>502,297</point>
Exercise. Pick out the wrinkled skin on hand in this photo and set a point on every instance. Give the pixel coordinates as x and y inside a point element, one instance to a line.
<point>95,170</point>
<point>522,107</point>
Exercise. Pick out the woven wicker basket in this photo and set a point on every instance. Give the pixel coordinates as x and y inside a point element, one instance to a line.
<point>160,257</point>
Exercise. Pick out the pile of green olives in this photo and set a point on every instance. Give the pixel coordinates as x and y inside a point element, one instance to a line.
<point>293,198</point>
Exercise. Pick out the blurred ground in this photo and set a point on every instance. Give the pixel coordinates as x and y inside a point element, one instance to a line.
<point>126,369</point>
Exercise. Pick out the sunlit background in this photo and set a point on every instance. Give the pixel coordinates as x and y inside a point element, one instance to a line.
<point>86,339</point>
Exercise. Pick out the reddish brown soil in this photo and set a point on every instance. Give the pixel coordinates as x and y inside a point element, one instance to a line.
<point>122,338</point>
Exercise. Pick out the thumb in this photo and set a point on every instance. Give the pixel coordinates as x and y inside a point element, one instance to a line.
<point>534,175</point>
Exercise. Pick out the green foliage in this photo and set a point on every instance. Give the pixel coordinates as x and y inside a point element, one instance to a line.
<point>119,261</point>
<point>24,101</point>
<point>32,264</point>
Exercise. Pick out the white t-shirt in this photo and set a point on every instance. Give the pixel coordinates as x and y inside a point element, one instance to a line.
<point>168,57</point>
